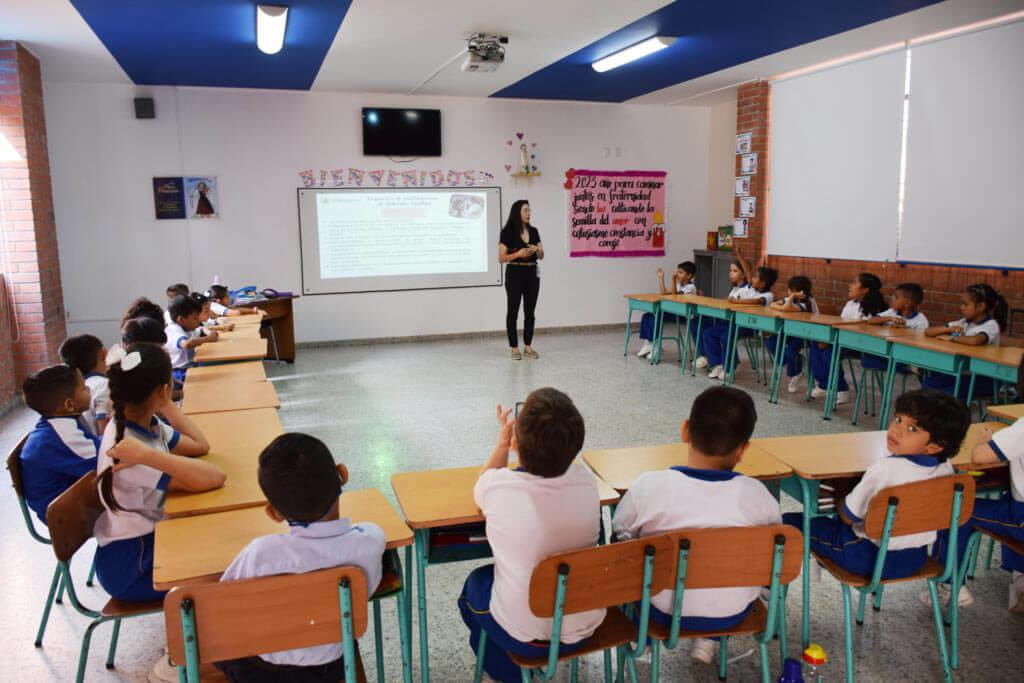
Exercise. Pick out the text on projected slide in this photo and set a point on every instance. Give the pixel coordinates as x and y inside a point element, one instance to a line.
<point>407,233</point>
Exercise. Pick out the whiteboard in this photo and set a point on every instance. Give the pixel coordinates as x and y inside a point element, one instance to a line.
<point>965,150</point>
<point>835,159</point>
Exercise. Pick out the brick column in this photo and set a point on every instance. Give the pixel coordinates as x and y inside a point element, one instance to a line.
<point>26,210</point>
<point>752,117</point>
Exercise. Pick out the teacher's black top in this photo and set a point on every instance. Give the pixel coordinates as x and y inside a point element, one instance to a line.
<point>513,240</point>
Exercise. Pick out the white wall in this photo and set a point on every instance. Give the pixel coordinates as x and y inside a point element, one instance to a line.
<point>721,163</point>
<point>256,142</point>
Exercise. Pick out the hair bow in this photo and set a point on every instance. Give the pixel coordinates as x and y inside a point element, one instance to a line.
<point>128,361</point>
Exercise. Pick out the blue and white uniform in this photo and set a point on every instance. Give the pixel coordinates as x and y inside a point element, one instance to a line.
<point>715,333</point>
<point>99,403</point>
<point>989,327</point>
<point>982,385</point>
<point>58,452</point>
<point>218,309</point>
<point>181,356</point>
<point>662,501</point>
<point>124,558</point>
<point>916,321</point>
<point>647,319</point>
<point>319,545</point>
<point>821,359</point>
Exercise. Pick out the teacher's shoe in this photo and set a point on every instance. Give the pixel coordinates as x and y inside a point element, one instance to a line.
<point>516,355</point>
<point>530,353</point>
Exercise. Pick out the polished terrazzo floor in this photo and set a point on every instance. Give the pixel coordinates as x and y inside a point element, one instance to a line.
<point>402,407</point>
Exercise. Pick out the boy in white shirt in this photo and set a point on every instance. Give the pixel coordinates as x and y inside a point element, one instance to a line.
<point>181,343</point>
<point>546,506</point>
<point>902,312</point>
<point>302,485</point>
<point>173,292</point>
<point>927,429</point>
<point>706,493</point>
<point>220,304</point>
<point>682,283</point>
<point>86,353</point>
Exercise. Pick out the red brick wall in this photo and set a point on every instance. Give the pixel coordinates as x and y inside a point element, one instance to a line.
<point>33,280</point>
<point>942,284</point>
<point>8,389</point>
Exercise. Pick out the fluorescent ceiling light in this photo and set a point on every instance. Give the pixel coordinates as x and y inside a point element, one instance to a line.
<point>632,52</point>
<point>271,21</point>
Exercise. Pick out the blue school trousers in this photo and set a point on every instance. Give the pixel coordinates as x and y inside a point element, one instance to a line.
<point>834,539</point>
<point>1004,516</point>
<point>714,339</point>
<point>475,607</point>
<point>791,356</point>
<point>668,323</point>
<point>983,386</point>
<point>821,361</point>
<point>125,569</point>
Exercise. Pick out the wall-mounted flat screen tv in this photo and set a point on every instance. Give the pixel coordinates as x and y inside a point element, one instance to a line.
<point>401,132</point>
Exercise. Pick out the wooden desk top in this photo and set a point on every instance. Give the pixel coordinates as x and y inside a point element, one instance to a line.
<point>236,440</point>
<point>197,549</point>
<point>435,498</point>
<point>815,318</point>
<point>708,301</point>
<point>643,297</point>
<point>229,372</point>
<point>241,320</point>
<point>233,349</point>
<point>219,397</point>
<point>882,331</point>
<point>240,332</point>
<point>1007,412</point>
<point>621,466</point>
<point>1001,355</point>
<point>828,456</point>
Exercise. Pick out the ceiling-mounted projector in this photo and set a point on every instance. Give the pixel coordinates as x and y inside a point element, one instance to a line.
<point>484,52</point>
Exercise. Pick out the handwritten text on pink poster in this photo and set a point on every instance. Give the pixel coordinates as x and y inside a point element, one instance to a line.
<point>616,213</point>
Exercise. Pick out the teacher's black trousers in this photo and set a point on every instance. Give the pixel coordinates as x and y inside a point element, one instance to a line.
<point>521,282</point>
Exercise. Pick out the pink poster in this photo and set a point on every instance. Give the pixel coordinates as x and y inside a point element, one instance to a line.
<point>616,213</point>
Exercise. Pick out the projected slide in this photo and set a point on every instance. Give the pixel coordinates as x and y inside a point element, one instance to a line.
<point>389,239</point>
<point>405,233</point>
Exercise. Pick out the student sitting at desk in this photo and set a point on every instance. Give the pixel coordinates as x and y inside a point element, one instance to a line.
<point>60,449</point>
<point>682,283</point>
<point>866,301</point>
<point>984,312</point>
<point>144,308</point>
<point>143,329</point>
<point>902,312</point>
<point>87,354</point>
<point>799,299</point>
<point>706,493</point>
<point>298,476</point>
<point>208,322</point>
<point>173,292</point>
<point>220,304</point>
<point>1004,516</point>
<point>927,429</point>
<point>181,343</point>
<point>548,505</point>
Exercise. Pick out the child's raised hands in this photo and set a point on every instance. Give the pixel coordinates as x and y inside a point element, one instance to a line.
<point>505,434</point>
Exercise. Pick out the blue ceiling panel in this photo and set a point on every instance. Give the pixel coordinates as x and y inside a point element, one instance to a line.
<point>213,42</point>
<point>711,35</point>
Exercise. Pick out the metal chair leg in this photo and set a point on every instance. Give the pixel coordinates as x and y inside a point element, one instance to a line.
<point>378,637</point>
<point>54,583</point>
<point>113,643</point>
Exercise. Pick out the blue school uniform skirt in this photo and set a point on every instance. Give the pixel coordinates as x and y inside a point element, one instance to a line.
<point>125,569</point>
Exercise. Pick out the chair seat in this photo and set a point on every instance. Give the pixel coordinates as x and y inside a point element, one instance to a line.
<point>123,608</point>
<point>390,584</point>
<point>755,622</point>
<point>930,570</point>
<point>616,629</point>
<point>1013,543</point>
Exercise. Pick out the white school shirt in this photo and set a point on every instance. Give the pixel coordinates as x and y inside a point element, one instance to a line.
<point>218,308</point>
<point>167,318</point>
<point>688,288</point>
<point>529,518</point>
<point>690,498</point>
<point>744,292</point>
<point>99,403</point>
<point>803,305</point>
<point>853,311</point>
<point>305,549</point>
<point>139,489</point>
<point>893,471</point>
<point>989,326</point>
<point>181,357</point>
<point>1008,444</point>
<point>918,321</point>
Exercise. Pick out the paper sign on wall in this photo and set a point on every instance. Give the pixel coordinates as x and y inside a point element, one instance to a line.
<point>169,198</point>
<point>742,185</point>
<point>748,206</point>
<point>740,226</point>
<point>616,213</point>
<point>743,143</point>
<point>748,164</point>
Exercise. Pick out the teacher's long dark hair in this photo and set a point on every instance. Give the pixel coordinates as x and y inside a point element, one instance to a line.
<point>514,224</point>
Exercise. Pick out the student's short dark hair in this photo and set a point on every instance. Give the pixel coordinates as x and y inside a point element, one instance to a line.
<point>912,291</point>
<point>688,267</point>
<point>81,352</point>
<point>945,418</point>
<point>298,476</point>
<point>45,390</point>
<point>218,291</point>
<point>183,306</point>
<point>550,433</point>
<point>143,308</point>
<point>767,276</point>
<point>800,283</point>
<point>721,420</point>
<point>143,330</point>
<point>179,289</point>
<point>200,298</point>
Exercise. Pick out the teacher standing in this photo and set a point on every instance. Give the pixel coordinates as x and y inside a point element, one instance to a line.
<point>519,248</point>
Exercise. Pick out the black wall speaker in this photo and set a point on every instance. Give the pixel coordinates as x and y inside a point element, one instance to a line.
<point>144,108</point>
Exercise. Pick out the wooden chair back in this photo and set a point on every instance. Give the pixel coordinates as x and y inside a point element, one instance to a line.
<point>243,618</point>
<point>599,577</point>
<point>14,467</point>
<point>734,556</point>
<point>72,515</point>
<point>921,506</point>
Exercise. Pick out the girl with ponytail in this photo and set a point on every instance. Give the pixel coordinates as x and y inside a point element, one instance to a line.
<point>140,459</point>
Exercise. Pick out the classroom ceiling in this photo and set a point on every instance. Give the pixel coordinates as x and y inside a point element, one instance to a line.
<point>393,45</point>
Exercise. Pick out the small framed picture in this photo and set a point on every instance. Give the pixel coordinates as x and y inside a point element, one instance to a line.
<point>748,207</point>
<point>739,227</point>
<point>748,164</point>
<point>743,143</point>
<point>742,185</point>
